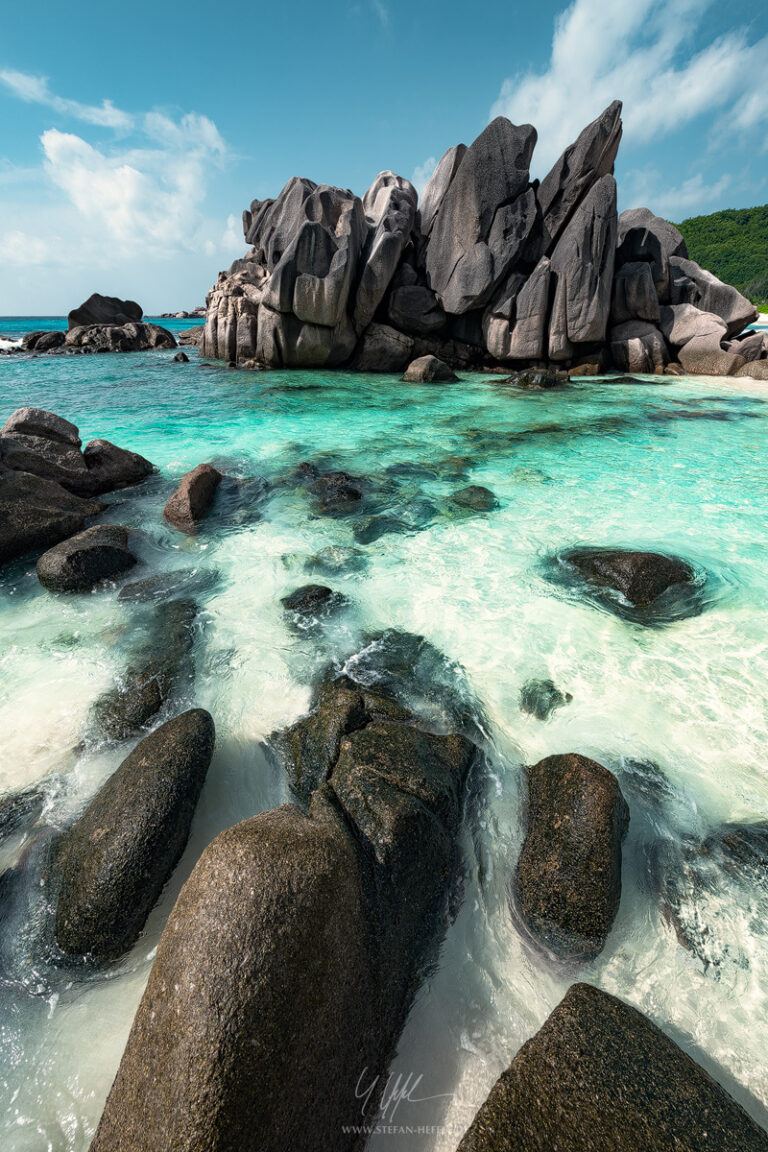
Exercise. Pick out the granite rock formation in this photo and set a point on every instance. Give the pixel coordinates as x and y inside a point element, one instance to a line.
<point>489,267</point>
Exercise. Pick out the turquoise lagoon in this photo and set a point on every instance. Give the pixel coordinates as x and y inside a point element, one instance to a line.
<point>676,465</point>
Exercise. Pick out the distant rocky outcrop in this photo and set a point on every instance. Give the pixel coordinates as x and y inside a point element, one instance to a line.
<point>489,267</point>
<point>102,324</point>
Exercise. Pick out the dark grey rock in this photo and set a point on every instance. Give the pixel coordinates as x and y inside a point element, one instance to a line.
<point>515,325</point>
<point>104,310</point>
<point>36,513</point>
<point>51,459</point>
<point>437,186</point>
<point>634,295</point>
<point>38,422</point>
<point>540,698</point>
<point>158,668</point>
<point>181,358</point>
<point>193,498</point>
<point>600,1076</point>
<point>133,337</point>
<point>637,346</point>
<point>568,877</point>
<point>644,587</point>
<point>582,265</point>
<point>416,309</point>
<point>80,563</point>
<point>429,370</point>
<point>390,210</point>
<point>312,602</point>
<point>111,468</point>
<point>43,341</point>
<point>111,866</point>
<point>383,349</point>
<point>694,285</point>
<point>485,218</point>
<point>476,497</point>
<point>167,585</point>
<point>582,164</point>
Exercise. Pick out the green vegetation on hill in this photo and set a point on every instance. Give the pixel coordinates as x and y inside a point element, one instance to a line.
<point>734,246</point>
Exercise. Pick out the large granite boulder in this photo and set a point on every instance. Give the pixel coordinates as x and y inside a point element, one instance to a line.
<point>36,513</point>
<point>43,444</point>
<point>634,295</point>
<point>600,1077</point>
<point>582,266</point>
<point>111,866</point>
<point>485,218</point>
<point>287,967</point>
<point>193,498</point>
<point>429,370</point>
<point>80,563</point>
<point>415,309</point>
<point>437,186</point>
<point>637,346</point>
<point>648,239</point>
<point>644,587</point>
<point>582,164</point>
<point>383,349</point>
<point>390,210</point>
<point>515,325</point>
<point>568,877</point>
<point>107,310</point>
<point>694,285</point>
<point>132,337</point>
<point>698,337</point>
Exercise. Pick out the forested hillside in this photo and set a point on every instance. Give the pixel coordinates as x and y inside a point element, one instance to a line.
<point>734,245</point>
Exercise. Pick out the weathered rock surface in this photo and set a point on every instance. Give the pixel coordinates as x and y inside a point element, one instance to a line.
<point>193,498</point>
<point>288,965</point>
<point>429,370</point>
<point>48,446</point>
<point>600,1077</point>
<point>475,497</point>
<point>36,513</point>
<point>568,876</point>
<point>485,217</point>
<point>491,267</point>
<point>112,865</point>
<point>43,341</point>
<point>640,577</point>
<point>159,666</point>
<point>585,162</point>
<point>108,310</point>
<point>80,563</point>
<point>540,698</point>
<point>311,602</point>
<point>582,266</point>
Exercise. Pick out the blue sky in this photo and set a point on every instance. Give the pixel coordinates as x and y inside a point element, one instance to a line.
<point>131,140</point>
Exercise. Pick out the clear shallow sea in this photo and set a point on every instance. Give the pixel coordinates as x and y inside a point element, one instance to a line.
<point>678,465</point>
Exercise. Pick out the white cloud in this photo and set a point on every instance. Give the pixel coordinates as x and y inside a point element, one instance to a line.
<point>422,174</point>
<point>35,90</point>
<point>692,197</point>
<point>22,249</point>
<point>637,51</point>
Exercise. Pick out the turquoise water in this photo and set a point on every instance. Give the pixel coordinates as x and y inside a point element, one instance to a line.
<point>14,327</point>
<point>675,465</point>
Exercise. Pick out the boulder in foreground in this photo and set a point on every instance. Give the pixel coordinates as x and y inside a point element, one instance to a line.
<point>36,513</point>
<point>80,563</point>
<point>429,370</point>
<point>600,1077</point>
<point>113,863</point>
<point>99,309</point>
<point>644,587</point>
<point>568,877</point>
<point>193,498</point>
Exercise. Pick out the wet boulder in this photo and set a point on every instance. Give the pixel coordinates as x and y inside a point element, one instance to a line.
<point>311,602</point>
<point>36,513</point>
<point>181,358</point>
<point>48,456</point>
<point>636,585</point>
<point>132,337</point>
<point>109,869</point>
<point>165,586</point>
<point>568,879</point>
<point>43,341</point>
<point>159,666</point>
<point>39,422</point>
<point>310,747</point>
<point>336,493</point>
<point>429,370</point>
<point>540,698</point>
<point>193,498</point>
<point>599,1075</point>
<point>111,468</point>
<point>76,565</point>
<point>99,309</point>
<point>475,497</point>
<point>369,529</point>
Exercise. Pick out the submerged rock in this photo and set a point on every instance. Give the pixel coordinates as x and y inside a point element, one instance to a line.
<point>112,865</point>
<point>193,498</point>
<point>312,602</point>
<point>568,878</point>
<point>645,587</point>
<point>540,698</point>
<point>157,669</point>
<point>99,553</point>
<point>599,1076</point>
<point>475,497</point>
<point>36,513</point>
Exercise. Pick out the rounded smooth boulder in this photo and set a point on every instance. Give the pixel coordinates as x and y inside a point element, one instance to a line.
<point>80,563</point>
<point>193,498</point>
